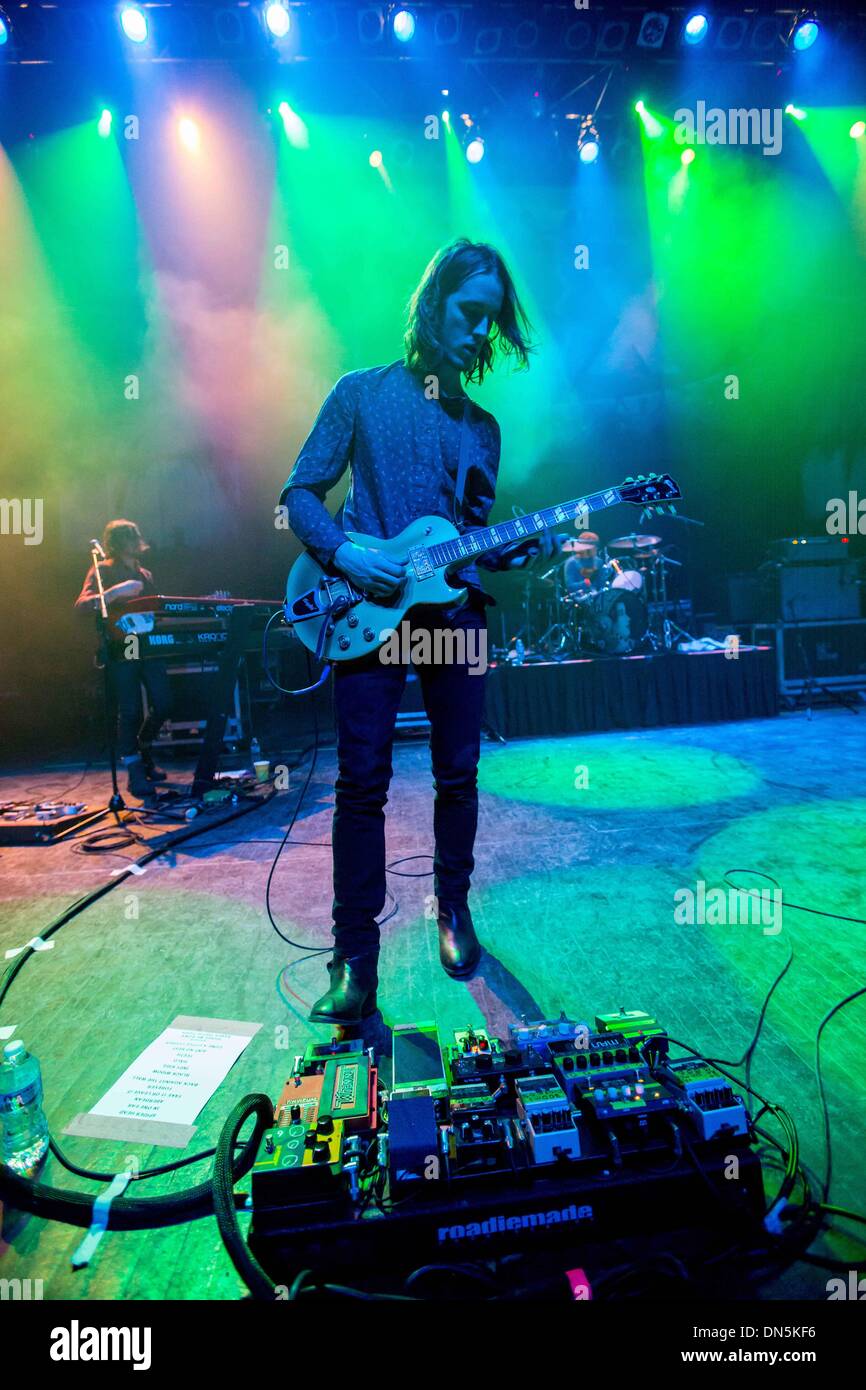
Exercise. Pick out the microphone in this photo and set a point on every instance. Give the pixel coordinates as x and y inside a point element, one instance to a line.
<point>94,545</point>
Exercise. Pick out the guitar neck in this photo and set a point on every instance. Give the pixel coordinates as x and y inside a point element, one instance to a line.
<point>519,528</point>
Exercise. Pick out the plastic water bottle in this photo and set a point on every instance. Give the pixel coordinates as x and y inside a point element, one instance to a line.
<point>255,751</point>
<point>24,1141</point>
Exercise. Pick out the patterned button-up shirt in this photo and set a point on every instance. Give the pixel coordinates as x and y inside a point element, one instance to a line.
<point>403,451</point>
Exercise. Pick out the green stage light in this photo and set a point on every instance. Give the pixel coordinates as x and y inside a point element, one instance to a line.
<point>687,156</point>
<point>652,127</point>
<point>858,130</point>
<point>644,775</point>
<point>103,125</point>
<point>796,112</point>
<point>296,131</point>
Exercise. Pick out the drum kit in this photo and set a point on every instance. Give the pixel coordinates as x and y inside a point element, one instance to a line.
<point>597,601</point>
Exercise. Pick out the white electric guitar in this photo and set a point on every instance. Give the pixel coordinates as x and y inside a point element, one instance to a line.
<point>338,622</point>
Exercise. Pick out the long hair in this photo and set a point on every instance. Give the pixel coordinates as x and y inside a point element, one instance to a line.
<point>449,268</point>
<point>119,534</point>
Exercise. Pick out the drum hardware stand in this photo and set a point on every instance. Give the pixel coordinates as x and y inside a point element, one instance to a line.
<point>559,650</point>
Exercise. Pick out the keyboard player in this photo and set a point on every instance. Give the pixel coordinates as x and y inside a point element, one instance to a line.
<point>124,577</point>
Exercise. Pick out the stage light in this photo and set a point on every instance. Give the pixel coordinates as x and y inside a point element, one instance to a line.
<point>404,25</point>
<point>475,150</point>
<point>103,125</point>
<point>696,28</point>
<point>805,33</point>
<point>278,19</point>
<point>4,31</point>
<point>189,134</point>
<point>687,156</point>
<point>587,141</point>
<point>446,116</point>
<point>296,131</point>
<point>858,130</point>
<point>652,127</point>
<point>796,112</point>
<point>376,159</point>
<point>133,22</point>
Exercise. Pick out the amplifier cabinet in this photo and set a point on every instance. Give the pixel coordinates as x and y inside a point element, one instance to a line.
<point>190,690</point>
<point>832,654</point>
<point>808,592</point>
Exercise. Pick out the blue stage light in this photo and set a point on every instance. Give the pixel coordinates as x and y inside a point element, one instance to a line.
<point>475,150</point>
<point>589,151</point>
<point>278,19</point>
<point>696,28</point>
<point>805,34</point>
<point>4,31</point>
<point>404,25</point>
<point>133,22</point>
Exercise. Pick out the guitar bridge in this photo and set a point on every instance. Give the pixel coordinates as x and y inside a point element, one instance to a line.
<point>331,597</point>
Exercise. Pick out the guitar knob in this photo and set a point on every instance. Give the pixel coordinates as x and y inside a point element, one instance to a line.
<point>352,620</point>
<point>369,634</point>
<point>343,643</point>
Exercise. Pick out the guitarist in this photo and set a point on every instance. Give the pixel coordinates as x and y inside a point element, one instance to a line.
<point>398,428</point>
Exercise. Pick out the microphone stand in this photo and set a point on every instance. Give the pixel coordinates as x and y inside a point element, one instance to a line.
<point>116,802</point>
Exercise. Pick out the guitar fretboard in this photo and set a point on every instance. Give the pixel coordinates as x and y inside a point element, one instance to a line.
<point>473,543</point>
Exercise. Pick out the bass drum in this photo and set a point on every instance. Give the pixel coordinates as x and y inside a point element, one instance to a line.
<point>615,621</point>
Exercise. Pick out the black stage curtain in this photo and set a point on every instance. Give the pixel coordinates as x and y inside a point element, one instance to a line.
<point>630,693</point>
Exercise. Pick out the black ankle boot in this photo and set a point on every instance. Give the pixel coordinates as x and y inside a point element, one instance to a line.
<point>352,993</point>
<point>138,782</point>
<point>151,771</point>
<point>459,947</point>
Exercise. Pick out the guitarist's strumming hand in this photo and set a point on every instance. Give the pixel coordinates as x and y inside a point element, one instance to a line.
<point>372,571</point>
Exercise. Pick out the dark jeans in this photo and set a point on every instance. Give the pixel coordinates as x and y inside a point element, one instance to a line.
<point>126,679</point>
<point>367,694</point>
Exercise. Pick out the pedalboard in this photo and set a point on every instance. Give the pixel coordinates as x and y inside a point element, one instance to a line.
<point>554,1134</point>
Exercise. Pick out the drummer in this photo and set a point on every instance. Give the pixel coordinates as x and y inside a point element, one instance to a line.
<point>583,569</point>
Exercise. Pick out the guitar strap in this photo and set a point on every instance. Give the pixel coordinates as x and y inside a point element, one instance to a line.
<point>462,463</point>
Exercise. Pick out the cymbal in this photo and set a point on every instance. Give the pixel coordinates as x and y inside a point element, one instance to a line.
<point>634,542</point>
<point>578,548</point>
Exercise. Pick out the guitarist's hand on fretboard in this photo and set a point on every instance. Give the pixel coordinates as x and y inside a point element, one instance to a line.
<point>518,554</point>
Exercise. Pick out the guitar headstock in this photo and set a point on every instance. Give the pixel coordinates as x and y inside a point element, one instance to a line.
<point>654,493</point>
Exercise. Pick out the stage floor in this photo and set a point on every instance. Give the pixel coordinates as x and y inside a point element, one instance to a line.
<point>583,842</point>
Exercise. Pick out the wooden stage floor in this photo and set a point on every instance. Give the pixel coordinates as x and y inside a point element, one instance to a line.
<point>583,842</point>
